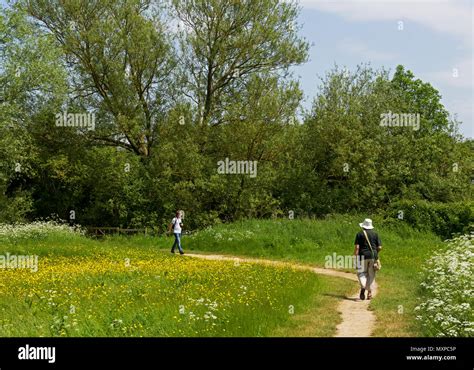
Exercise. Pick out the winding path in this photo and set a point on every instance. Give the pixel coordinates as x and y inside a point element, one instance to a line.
<point>357,319</point>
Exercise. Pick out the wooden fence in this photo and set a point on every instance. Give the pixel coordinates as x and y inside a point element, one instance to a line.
<point>102,231</point>
<point>105,230</point>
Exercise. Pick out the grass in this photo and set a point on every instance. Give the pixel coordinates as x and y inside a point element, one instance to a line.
<point>306,241</point>
<point>321,318</point>
<point>404,252</point>
<point>124,287</point>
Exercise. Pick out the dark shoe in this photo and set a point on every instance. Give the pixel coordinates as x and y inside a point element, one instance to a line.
<point>181,252</point>
<point>362,294</point>
<point>369,295</point>
<point>172,252</point>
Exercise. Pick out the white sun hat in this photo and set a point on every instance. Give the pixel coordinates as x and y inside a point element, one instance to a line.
<point>367,224</point>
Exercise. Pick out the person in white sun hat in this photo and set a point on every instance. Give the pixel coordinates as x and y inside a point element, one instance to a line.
<point>367,247</point>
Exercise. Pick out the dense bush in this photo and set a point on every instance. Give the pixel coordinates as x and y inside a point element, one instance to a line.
<point>444,219</point>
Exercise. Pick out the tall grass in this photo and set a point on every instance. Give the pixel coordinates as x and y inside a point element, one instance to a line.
<point>404,253</point>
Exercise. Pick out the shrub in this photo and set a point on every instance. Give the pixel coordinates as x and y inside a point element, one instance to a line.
<point>444,219</point>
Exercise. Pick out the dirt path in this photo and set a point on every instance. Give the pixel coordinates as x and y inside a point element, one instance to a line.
<point>357,319</point>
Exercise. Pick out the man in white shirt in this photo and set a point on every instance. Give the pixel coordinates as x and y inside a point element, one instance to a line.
<point>176,224</point>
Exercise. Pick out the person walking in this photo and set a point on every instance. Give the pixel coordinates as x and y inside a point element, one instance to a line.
<point>367,246</point>
<point>176,224</point>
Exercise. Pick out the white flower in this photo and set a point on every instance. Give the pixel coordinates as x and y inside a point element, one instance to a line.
<point>449,288</point>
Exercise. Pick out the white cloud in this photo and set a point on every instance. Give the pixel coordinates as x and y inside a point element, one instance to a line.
<point>453,17</point>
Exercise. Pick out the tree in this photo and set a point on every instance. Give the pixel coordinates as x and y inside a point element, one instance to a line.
<point>32,81</point>
<point>120,65</point>
<point>225,42</point>
<point>351,161</point>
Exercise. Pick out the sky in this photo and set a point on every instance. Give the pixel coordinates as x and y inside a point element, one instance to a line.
<point>434,41</point>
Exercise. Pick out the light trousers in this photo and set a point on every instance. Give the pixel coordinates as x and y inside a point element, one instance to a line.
<point>366,273</point>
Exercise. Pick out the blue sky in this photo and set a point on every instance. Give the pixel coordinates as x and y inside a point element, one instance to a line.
<point>435,43</point>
